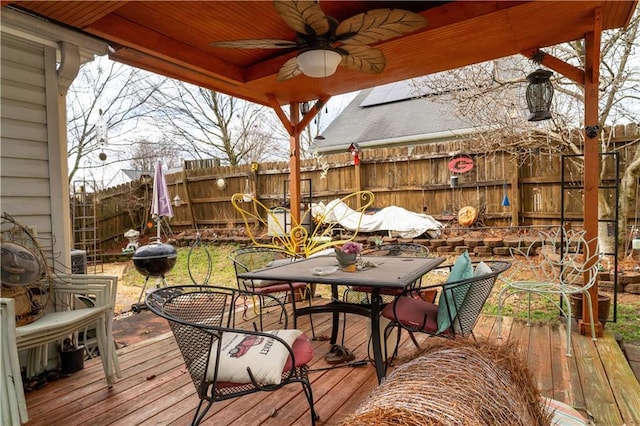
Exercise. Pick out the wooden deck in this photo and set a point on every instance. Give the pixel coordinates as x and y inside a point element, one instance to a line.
<point>156,389</point>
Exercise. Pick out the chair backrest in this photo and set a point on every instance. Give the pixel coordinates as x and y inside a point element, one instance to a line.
<point>397,250</point>
<point>313,234</point>
<point>246,259</point>
<point>476,294</point>
<point>575,259</point>
<point>198,315</point>
<point>549,255</point>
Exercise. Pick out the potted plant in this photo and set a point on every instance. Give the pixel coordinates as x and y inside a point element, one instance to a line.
<point>347,254</point>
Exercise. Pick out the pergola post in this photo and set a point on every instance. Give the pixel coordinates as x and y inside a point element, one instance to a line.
<point>591,159</point>
<point>294,125</point>
<point>294,164</point>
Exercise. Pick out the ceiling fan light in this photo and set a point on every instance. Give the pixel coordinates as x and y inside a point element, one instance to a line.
<point>318,63</point>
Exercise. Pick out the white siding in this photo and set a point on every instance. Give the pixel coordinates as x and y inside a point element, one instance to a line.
<point>24,150</point>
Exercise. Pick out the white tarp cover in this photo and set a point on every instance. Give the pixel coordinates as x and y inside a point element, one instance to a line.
<point>406,223</point>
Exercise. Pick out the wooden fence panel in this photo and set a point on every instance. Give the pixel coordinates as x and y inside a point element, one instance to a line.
<point>416,178</point>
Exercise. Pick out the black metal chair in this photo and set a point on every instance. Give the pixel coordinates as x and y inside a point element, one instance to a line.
<point>362,295</point>
<point>358,294</point>
<point>246,259</point>
<point>462,299</point>
<point>225,361</point>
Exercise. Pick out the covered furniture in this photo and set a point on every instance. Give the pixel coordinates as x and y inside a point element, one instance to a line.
<point>224,361</point>
<point>460,303</point>
<point>562,264</point>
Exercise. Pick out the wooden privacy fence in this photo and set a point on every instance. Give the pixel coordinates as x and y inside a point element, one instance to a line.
<point>418,178</point>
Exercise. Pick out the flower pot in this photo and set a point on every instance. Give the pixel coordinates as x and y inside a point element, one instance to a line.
<point>604,305</point>
<point>72,360</point>
<point>345,259</point>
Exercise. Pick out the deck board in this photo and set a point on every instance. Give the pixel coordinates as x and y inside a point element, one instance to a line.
<point>156,388</point>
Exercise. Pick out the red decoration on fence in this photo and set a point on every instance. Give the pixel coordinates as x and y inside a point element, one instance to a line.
<point>460,165</point>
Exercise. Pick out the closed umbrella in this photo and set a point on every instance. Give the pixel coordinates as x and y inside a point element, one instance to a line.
<point>160,203</point>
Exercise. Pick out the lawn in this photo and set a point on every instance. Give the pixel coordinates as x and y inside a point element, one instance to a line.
<point>222,273</point>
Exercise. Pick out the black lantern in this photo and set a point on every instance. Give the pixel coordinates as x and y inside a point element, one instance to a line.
<point>304,108</point>
<point>539,95</point>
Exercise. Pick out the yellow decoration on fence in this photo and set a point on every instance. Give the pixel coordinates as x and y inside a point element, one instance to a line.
<point>298,240</point>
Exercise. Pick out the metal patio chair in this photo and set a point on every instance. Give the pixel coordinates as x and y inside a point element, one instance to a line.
<point>246,259</point>
<point>226,361</point>
<point>562,264</point>
<point>456,312</point>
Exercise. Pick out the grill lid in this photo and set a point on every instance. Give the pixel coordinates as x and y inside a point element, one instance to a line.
<point>156,250</point>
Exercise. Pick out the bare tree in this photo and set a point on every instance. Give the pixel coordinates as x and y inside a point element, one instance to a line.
<point>105,102</point>
<point>490,96</point>
<point>145,154</point>
<point>215,125</point>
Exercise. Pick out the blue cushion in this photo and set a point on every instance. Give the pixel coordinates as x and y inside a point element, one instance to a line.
<point>462,270</point>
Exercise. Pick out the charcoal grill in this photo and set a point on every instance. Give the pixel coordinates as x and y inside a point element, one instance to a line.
<point>153,260</point>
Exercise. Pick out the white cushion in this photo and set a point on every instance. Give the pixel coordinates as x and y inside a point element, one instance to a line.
<point>482,269</point>
<point>265,356</point>
<point>563,414</point>
<point>265,283</point>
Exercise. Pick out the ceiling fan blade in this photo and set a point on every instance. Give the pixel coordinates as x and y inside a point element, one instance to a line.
<point>363,58</point>
<point>377,25</point>
<point>289,70</point>
<point>260,43</point>
<point>306,17</point>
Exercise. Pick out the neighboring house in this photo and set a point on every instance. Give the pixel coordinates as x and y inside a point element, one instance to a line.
<point>128,175</point>
<point>393,114</point>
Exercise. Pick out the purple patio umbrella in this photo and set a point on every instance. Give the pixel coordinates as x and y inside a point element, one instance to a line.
<point>160,203</point>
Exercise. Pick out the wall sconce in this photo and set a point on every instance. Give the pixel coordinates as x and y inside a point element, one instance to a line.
<point>539,95</point>
<point>221,184</point>
<point>354,149</point>
<point>177,201</point>
<point>318,63</point>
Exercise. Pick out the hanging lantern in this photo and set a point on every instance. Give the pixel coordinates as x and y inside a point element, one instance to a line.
<point>539,95</point>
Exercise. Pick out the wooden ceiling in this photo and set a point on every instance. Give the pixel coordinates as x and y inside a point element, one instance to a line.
<point>173,38</point>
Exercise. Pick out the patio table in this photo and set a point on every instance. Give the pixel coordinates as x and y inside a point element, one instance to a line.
<point>389,272</point>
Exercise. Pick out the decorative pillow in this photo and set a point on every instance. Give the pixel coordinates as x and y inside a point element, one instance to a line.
<point>264,283</point>
<point>462,270</point>
<point>265,356</point>
<point>563,414</point>
<point>482,269</point>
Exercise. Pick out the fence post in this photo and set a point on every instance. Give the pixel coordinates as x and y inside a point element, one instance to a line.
<point>194,225</point>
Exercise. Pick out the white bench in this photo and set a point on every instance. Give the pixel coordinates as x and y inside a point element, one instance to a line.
<point>71,316</point>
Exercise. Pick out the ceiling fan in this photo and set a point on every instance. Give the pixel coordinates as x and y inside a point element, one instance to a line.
<point>325,43</point>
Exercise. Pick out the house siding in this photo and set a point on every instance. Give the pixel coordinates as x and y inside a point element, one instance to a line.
<point>24,164</point>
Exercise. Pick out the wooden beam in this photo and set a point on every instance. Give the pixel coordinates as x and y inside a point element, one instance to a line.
<point>558,65</point>
<point>288,126</point>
